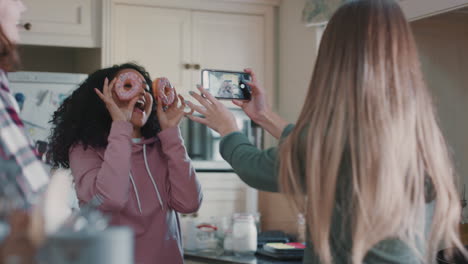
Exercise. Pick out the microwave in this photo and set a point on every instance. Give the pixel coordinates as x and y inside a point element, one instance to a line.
<point>202,143</point>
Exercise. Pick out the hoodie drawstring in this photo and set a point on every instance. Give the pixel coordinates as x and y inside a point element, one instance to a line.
<point>136,191</point>
<point>151,176</point>
<point>152,180</point>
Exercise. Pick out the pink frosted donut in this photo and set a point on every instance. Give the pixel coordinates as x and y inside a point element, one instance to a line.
<point>163,89</point>
<point>128,85</point>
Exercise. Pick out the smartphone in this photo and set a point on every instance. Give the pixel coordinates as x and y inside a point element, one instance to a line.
<point>227,84</point>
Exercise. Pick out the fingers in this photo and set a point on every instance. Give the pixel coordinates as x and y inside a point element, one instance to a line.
<point>112,84</point>
<point>180,115</point>
<point>238,102</point>
<point>253,83</point>
<point>105,88</point>
<point>254,76</point>
<point>184,106</point>
<point>174,103</point>
<point>103,98</point>
<point>132,103</point>
<point>108,87</point>
<point>197,119</point>
<point>255,88</point>
<point>201,100</point>
<point>207,94</point>
<point>189,113</point>
<point>179,109</point>
<point>182,102</point>
<point>197,108</point>
<point>176,97</point>
<point>159,107</point>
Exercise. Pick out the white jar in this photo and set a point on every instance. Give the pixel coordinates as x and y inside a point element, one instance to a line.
<point>190,229</point>
<point>244,235</point>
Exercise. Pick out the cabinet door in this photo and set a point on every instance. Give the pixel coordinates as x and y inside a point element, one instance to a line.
<point>156,38</point>
<point>416,9</point>
<point>61,23</point>
<point>228,42</point>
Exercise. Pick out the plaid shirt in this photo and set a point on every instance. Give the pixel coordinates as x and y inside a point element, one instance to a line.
<point>16,146</point>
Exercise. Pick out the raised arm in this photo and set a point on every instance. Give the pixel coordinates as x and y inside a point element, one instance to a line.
<point>257,168</point>
<point>108,176</point>
<point>184,189</point>
<point>259,111</point>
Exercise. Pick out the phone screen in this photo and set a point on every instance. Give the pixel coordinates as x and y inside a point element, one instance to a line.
<point>227,84</point>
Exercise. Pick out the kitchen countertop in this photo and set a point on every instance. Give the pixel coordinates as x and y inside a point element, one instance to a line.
<point>257,259</point>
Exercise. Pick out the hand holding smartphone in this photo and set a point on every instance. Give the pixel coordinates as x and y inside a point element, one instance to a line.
<point>227,84</point>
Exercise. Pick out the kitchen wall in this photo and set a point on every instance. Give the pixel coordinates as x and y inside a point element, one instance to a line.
<point>297,51</point>
<point>443,42</point>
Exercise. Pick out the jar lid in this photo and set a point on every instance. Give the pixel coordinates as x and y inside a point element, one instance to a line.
<point>243,217</point>
<point>207,227</point>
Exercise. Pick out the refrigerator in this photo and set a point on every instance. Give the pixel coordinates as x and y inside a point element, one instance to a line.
<point>39,94</point>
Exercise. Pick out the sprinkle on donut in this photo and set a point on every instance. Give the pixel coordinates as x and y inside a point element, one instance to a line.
<point>163,89</point>
<point>128,85</point>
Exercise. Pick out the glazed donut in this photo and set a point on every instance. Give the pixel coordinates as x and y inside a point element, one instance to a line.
<point>128,79</point>
<point>163,89</point>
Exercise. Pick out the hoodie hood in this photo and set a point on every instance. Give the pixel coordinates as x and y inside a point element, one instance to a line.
<point>149,142</point>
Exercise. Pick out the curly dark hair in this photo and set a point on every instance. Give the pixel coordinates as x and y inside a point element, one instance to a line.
<point>83,117</point>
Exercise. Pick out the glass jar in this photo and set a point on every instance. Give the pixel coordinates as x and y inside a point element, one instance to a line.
<point>227,243</point>
<point>207,242</point>
<point>189,224</point>
<point>257,216</point>
<point>244,235</point>
<point>301,228</point>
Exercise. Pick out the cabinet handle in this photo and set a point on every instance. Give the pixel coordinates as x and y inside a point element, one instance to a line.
<point>27,26</point>
<point>196,66</point>
<point>187,66</point>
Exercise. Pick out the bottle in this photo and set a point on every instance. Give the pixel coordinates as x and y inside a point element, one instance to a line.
<point>244,235</point>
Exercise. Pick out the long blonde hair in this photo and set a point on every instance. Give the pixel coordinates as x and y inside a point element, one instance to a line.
<point>368,104</point>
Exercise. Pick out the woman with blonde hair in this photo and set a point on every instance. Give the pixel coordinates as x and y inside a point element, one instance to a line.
<point>366,161</point>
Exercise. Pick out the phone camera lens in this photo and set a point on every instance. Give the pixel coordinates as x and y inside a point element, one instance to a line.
<point>242,86</point>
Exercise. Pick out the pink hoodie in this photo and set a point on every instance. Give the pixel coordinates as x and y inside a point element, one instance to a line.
<point>141,185</point>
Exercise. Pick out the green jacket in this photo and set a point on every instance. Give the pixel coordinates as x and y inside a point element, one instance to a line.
<point>259,169</point>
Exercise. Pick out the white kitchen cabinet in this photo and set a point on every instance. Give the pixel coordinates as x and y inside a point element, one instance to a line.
<point>66,23</point>
<point>417,9</point>
<point>178,38</point>
<point>157,38</point>
<point>228,41</point>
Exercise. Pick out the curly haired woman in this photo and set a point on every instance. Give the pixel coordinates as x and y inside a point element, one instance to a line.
<point>131,156</point>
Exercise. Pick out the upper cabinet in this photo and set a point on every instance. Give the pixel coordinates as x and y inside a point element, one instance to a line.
<point>70,23</point>
<point>417,9</point>
<point>178,38</point>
